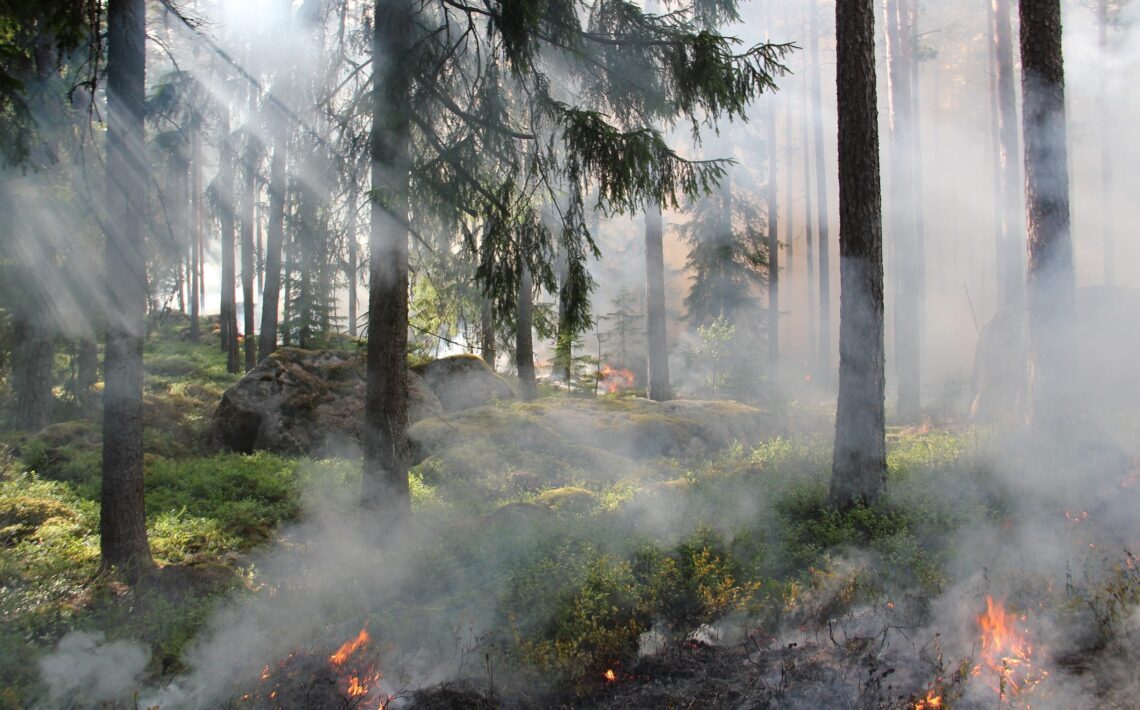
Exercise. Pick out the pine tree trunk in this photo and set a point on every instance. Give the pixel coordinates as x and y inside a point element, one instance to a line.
<point>122,516</point>
<point>86,370</point>
<point>790,201</point>
<point>384,488</point>
<point>1011,260</point>
<point>1051,283</point>
<point>228,308</point>
<point>196,231</point>
<point>657,343</point>
<point>903,217</point>
<point>773,244</point>
<point>1105,110</point>
<point>524,339</point>
<point>487,331</point>
<point>824,220</point>
<point>859,463</point>
<point>33,355</point>
<point>809,240</point>
<point>275,237</point>
<point>351,266</point>
<point>249,199</point>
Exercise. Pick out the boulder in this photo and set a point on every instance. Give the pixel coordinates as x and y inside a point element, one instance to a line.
<point>1106,377</point>
<point>463,381</point>
<point>305,402</point>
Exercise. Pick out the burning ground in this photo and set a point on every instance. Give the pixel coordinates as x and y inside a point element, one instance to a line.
<point>992,575</point>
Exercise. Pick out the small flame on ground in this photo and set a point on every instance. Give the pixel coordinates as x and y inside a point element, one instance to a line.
<point>615,378</point>
<point>930,702</point>
<point>609,675</point>
<point>350,647</point>
<point>1006,651</point>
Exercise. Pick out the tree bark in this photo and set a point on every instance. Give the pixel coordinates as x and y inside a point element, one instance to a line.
<point>228,306</point>
<point>249,199</point>
<point>824,220</point>
<point>196,232</point>
<point>1051,284</point>
<point>773,245</point>
<point>351,266</point>
<point>384,488</point>
<point>487,331</point>
<point>33,355</point>
<point>122,516</point>
<point>809,240</point>
<point>524,339</point>
<point>903,212</point>
<point>275,238</point>
<point>1011,260</point>
<point>859,463</point>
<point>657,341</point>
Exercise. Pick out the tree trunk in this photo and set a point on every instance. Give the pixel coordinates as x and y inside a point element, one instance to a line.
<point>524,340</point>
<point>384,489</point>
<point>196,232</point>
<point>809,239</point>
<point>226,192</point>
<point>351,266</point>
<point>773,244</point>
<point>824,219</point>
<point>487,331</point>
<point>859,463</point>
<point>33,355</point>
<point>249,200</point>
<point>1105,109</point>
<point>122,516</point>
<point>1051,282</point>
<point>790,202</point>
<point>903,212</point>
<point>1011,261</point>
<point>86,370</point>
<point>657,342</point>
<point>275,238</point>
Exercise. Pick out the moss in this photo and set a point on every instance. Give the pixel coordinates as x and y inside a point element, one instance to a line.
<point>571,500</point>
<point>21,516</point>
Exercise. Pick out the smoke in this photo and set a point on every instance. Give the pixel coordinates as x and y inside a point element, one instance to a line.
<point>85,670</point>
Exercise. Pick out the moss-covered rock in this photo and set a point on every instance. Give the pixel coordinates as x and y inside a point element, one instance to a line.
<point>21,516</point>
<point>463,381</point>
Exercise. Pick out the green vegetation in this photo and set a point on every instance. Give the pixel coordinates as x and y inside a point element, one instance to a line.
<point>566,564</point>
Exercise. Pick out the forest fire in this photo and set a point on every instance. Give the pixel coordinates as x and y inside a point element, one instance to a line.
<point>932,701</point>
<point>615,379</point>
<point>1006,652</point>
<point>344,679</point>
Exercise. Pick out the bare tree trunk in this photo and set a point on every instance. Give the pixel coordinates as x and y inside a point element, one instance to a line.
<point>903,209</point>
<point>773,244</point>
<point>228,308</point>
<point>1011,261</point>
<point>809,239</point>
<point>275,237</point>
<point>384,488</point>
<point>122,515</point>
<point>86,370</point>
<point>657,345</point>
<point>1105,106</point>
<point>823,222</point>
<point>524,339</point>
<point>1051,283</point>
<point>859,464</point>
<point>351,267</point>
<point>487,331</point>
<point>249,199</point>
<point>790,202</point>
<point>196,233</point>
<point>33,355</point>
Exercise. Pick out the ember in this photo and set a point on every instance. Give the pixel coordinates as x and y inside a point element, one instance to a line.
<point>1006,652</point>
<point>610,676</point>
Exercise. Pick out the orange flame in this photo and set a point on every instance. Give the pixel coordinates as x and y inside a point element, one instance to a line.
<point>610,676</point>
<point>1006,651</point>
<point>930,702</point>
<point>350,647</point>
<point>615,378</point>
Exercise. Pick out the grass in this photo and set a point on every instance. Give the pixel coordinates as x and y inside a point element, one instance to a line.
<point>562,566</point>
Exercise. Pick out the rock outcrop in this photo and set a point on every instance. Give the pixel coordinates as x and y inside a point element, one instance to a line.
<point>312,401</point>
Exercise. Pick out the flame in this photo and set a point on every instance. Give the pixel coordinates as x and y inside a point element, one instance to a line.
<point>350,647</point>
<point>930,702</point>
<point>609,675</point>
<point>615,378</point>
<point>1006,651</point>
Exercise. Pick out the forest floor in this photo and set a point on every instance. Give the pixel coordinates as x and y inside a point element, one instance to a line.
<point>990,574</point>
